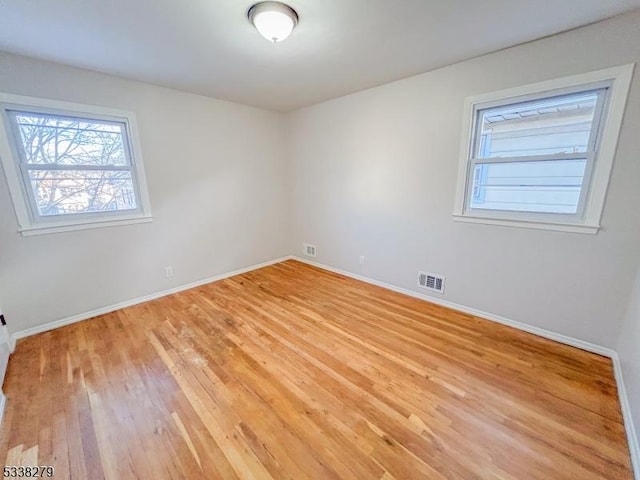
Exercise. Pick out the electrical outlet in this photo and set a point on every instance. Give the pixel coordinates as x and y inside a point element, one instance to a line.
<point>168,271</point>
<point>308,250</point>
<point>361,260</point>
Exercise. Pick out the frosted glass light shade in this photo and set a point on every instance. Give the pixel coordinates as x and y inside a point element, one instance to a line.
<point>274,20</point>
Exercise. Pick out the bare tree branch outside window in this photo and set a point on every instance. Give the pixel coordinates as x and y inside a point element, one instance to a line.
<point>76,165</point>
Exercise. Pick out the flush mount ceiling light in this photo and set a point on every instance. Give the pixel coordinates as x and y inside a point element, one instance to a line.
<point>274,20</point>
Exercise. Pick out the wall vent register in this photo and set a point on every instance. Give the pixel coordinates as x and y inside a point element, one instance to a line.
<point>431,281</point>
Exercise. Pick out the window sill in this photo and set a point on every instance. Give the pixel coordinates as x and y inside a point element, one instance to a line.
<point>556,227</point>
<point>58,228</point>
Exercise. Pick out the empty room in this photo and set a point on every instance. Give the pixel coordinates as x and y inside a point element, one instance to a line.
<point>332,239</point>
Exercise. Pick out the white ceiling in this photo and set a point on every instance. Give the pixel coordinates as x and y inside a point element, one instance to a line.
<point>339,46</point>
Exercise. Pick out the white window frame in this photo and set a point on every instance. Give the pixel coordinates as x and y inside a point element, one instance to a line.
<point>592,198</point>
<point>29,221</point>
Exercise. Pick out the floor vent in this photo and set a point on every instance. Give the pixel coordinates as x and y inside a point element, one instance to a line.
<point>431,281</point>
<point>308,250</point>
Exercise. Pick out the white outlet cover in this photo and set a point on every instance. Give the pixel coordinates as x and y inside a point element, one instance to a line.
<point>308,250</point>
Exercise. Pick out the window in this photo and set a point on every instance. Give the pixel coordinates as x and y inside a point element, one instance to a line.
<point>540,156</point>
<point>71,166</point>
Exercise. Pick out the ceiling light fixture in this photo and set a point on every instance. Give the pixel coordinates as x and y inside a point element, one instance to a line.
<point>274,20</point>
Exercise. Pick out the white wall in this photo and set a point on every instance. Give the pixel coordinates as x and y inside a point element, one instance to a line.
<point>629,353</point>
<point>369,174</point>
<point>374,174</point>
<point>216,176</point>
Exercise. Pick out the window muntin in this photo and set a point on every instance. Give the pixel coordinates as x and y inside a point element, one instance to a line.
<point>535,156</point>
<point>544,187</point>
<point>548,126</point>
<point>72,192</point>
<point>50,139</point>
<point>74,166</point>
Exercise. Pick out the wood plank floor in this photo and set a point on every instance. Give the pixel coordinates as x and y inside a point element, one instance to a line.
<point>296,373</point>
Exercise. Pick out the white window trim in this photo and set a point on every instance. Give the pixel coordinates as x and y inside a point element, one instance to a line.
<point>19,196</point>
<point>620,78</point>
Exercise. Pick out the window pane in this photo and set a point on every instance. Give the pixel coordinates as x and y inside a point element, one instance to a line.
<point>63,192</point>
<point>50,139</point>
<point>541,127</point>
<point>543,187</point>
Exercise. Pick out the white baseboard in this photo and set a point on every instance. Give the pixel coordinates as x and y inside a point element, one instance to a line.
<point>5,353</point>
<point>5,336</point>
<point>134,301</point>
<point>632,437</point>
<point>574,342</point>
<point>3,402</point>
<point>634,446</point>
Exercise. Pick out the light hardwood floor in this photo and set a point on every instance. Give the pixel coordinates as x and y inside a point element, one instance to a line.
<point>293,372</point>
